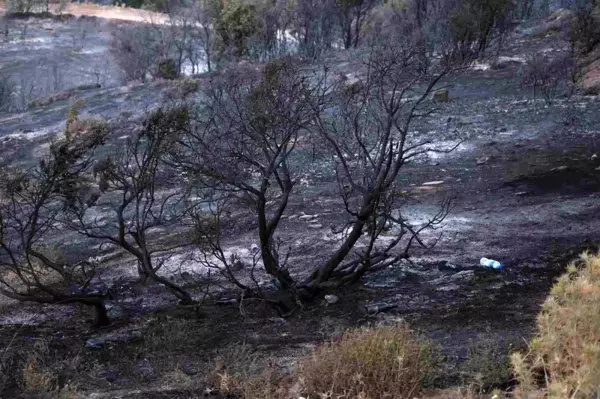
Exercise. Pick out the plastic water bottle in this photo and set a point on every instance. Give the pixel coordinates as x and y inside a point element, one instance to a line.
<point>494,264</point>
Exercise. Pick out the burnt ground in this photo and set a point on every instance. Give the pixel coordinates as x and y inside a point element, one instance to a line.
<point>525,185</point>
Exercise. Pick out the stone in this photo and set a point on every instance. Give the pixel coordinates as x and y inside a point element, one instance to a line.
<point>445,265</point>
<point>379,307</point>
<point>507,62</point>
<point>449,287</point>
<point>464,275</point>
<point>278,320</point>
<point>112,375</point>
<point>441,96</point>
<point>590,76</point>
<point>101,341</point>
<point>482,161</point>
<point>331,299</point>
<point>114,310</point>
<point>449,283</point>
<point>186,275</point>
<point>96,343</point>
<point>315,226</point>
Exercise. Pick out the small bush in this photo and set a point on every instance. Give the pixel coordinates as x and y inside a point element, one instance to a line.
<point>385,362</point>
<point>181,89</point>
<point>549,75</point>
<point>487,367</point>
<point>167,69</point>
<point>564,358</point>
<point>239,371</point>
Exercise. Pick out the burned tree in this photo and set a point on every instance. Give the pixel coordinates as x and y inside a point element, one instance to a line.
<point>352,15</point>
<point>143,197</point>
<point>136,50</point>
<point>205,15</point>
<point>242,154</point>
<point>32,204</point>
<point>476,23</point>
<point>370,140</point>
<point>240,148</point>
<point>549,75</point>
<point>316,31</point>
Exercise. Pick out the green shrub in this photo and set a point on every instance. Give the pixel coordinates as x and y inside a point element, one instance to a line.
<point>167,69</point>
<point>238,23</point>
<point>564,358</point>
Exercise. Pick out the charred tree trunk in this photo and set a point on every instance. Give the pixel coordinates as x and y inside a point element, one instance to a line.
<point>101,318</point>
<point>270,262</point>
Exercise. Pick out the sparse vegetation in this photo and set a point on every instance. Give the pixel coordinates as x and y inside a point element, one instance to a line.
<point>550,76</point>
<point>377,362</point>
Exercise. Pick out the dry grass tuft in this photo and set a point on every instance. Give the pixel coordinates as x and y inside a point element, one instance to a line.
<point>33,371</point>
<point>240,372</point>
<point>384,362</point>
<point>564,358</point>
<point>488,367</point>
<point>370,363</point>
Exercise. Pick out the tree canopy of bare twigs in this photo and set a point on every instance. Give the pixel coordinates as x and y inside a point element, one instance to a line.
<point>240,149</point>
<point>246,137</point>
<point>142,195</point>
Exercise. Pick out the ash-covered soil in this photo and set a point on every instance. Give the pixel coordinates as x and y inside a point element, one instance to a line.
<point>524,182</point>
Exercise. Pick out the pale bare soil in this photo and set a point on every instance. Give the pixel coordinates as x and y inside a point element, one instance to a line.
<point>101,11</point>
